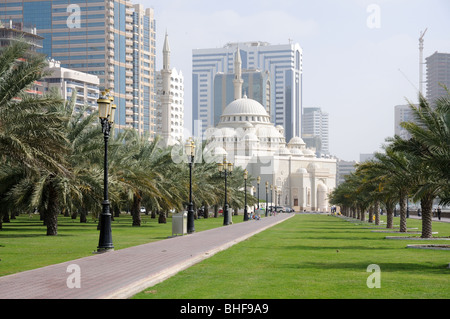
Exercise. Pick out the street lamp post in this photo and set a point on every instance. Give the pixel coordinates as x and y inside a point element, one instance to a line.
<point>258,180</point>
<point>245,196</point>
<point>190,150</point>
<point>267,196</point>
<point>271,197</point>
<point>276,197</point>
<point>106,113</point>
<point>226,168</point>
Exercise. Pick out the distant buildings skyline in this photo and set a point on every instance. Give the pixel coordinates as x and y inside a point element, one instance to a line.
<point>282,62</point>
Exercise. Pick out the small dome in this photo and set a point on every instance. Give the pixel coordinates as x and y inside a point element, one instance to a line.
<point>283,151</point>
<point>309,153</point>
<point>296,141</point>
<point>247,125</point>
<point>296,152</point>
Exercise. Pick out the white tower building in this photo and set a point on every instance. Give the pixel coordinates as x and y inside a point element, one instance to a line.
<point>170,101</point>
<point>238,76</point>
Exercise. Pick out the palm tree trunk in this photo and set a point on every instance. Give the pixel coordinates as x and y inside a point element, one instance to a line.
<point>83,214</point>
<point>6,218</point>
<point>371,214</point>
<point>403,226</point>
<point>162,218</point>
<point>51,214</point>
<point>377,213</point>
<point>136,211</point>
<point>389,217</point>
<point>426,204</point>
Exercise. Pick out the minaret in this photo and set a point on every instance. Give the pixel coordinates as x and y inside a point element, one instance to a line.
<point>166,98</point>
<point>238,76</point>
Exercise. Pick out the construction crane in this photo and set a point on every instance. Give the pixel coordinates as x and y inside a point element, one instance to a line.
<point>421,41</point>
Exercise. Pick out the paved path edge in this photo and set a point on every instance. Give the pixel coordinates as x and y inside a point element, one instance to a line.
<point>154,279</point>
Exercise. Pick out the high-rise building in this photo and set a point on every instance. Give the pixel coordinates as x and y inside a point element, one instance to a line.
<point>315,129</point>
<point>67,81</point>
<point>438,75</point>
<point>283,64</point>
<point>107,38</point>
<point>169,101</point>
<point>344,168</point>
<point>12,31</point>
<point>402,113</point>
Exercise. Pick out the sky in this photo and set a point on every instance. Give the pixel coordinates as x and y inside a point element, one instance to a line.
<point>360,57</point>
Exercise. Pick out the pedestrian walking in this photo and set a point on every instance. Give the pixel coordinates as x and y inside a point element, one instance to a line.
<point>439,213</point>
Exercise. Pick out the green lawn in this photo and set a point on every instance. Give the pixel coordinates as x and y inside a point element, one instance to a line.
<point>24,244</point>
<point>308,256</point>
<point>316,256</point>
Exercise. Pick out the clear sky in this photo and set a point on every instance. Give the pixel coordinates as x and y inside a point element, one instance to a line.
<point>360,57</point>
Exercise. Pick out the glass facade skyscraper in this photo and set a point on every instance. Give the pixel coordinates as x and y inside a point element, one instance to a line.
<point>98,37</point>
<point>256,86</point>
<point>283,64</point>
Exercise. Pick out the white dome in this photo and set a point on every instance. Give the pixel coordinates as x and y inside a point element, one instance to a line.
<point>296,141</point>
<point>244,106</point>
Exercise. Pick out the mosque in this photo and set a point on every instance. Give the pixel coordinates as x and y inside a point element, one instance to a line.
<point>247,138</point>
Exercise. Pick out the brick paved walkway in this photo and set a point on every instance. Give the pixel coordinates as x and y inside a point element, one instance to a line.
<point>123,273</point>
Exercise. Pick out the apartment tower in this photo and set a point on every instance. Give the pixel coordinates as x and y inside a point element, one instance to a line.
<point>111,39</point>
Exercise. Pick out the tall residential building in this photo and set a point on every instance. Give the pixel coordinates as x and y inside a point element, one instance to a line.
<point>315,129</point>
<point>99,37</point>
<point>67,81</point>
<point>438,75</point>
<point>169,101</point>
<point>283,64</point>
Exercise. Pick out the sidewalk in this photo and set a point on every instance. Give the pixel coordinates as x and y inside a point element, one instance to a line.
<point>435,219</point>
<point>123,273</point>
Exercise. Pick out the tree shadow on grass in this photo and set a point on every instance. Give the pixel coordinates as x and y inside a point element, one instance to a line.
<point>427,268</point>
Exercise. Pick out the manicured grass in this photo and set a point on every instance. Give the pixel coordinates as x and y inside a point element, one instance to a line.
<point>316,257</point>
<point>24,244</point>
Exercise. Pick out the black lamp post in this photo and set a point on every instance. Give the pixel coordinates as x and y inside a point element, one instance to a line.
<point>267,201</point>
<point>245,196</point>
<point>258,180</point>
<point>276,197</point>
<point>226,168</point>
<point>106,113</point>
<point>190,150</point>
<point>271,197</point>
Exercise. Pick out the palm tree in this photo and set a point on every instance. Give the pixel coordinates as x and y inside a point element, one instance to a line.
<point>430,145</point>
<point>31,128</point>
